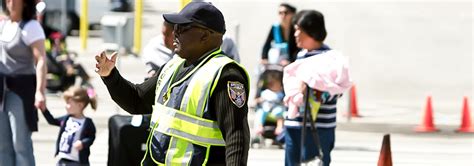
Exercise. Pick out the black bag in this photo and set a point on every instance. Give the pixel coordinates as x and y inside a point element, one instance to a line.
<point>127,143</point>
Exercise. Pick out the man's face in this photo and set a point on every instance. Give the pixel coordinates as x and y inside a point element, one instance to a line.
<point>167,32</point>
<point>187,39</point>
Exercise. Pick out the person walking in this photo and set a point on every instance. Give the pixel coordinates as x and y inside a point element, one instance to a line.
<point>77,132</point>
<point>280,47</point>
<point>325,72</point>
<point>22,81</point>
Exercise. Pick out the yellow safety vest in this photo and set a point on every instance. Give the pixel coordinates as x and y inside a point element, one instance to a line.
<point>186,126</point>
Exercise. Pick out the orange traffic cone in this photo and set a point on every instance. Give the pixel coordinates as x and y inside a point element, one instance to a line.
<point>385,158</point>
<point>466,125</point>
<point>353,102</point>
<point>427,124</point>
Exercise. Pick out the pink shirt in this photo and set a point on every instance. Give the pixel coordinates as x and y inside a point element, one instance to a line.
<point>328,72</point>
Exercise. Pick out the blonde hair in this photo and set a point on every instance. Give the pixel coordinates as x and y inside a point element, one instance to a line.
<point>81,95</point>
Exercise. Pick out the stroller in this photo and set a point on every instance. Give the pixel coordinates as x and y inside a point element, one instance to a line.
<point>274,107</point>
<point>62,70</point>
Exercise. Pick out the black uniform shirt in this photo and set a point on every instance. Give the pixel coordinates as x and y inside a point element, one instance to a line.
<point>232,120</point>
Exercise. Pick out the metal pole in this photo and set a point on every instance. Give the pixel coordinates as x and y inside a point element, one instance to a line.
<point>121,40</point>
<point>137,30</point>
<point>64,26</point>
<point>236,37</point>
<point>184,3</point>
<point>84,24</point>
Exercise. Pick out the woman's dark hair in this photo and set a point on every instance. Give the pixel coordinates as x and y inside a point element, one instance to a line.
<point>29,9</point>
<point>311,22</point>
<point>289,7</point>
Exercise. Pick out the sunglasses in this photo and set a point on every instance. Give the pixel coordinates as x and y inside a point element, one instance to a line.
<point>181,28</point>
<point>283,12</point>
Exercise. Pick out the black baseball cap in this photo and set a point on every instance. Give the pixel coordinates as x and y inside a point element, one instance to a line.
<point>203,13</point>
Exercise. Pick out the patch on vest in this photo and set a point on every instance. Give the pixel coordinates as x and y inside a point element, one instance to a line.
<point>236,93</point>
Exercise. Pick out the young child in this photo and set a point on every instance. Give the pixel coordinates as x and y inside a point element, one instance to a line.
<point>271,103</point>
<point>77,132</point>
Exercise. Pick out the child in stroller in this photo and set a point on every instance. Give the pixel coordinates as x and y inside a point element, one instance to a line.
<point>270,107</point>
<point>62,70</point>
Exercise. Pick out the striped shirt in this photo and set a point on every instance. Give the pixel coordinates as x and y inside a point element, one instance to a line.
<point>327,113</point>
<point>326,117</point>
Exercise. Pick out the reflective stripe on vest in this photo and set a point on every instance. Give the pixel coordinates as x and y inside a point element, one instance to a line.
<point>176,156</point>
<point>166,75</point>
<point>186,126</point>
<point>194,129</point>
<point>195,100</point>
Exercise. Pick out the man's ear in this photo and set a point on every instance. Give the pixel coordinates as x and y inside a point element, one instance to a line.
<point>205,35</point>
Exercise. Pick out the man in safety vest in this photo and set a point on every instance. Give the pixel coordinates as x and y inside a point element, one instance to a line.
<point>198,100</point>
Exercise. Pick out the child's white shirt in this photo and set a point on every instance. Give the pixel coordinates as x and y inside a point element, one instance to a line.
<point>71,134</point>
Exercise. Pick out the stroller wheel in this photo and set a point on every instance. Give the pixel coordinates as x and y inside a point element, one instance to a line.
<point>280,145</point>
<point>257,142</point>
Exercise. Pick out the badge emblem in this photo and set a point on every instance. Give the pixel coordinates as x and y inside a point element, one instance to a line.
<point>236,93</point>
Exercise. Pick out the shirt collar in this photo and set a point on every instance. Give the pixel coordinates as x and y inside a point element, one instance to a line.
<point>207,54</point>
<point>320,50</point>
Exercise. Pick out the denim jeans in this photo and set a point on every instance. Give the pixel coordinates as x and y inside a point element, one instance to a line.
<point>16,146</point>
<point>310,150</point>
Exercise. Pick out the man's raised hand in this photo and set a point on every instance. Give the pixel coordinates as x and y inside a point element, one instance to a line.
<point>104,65</point>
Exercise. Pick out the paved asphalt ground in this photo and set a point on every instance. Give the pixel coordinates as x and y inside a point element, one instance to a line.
<point>400,51</point>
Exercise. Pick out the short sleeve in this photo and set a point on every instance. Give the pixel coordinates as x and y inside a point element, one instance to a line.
<point>32,32</point>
